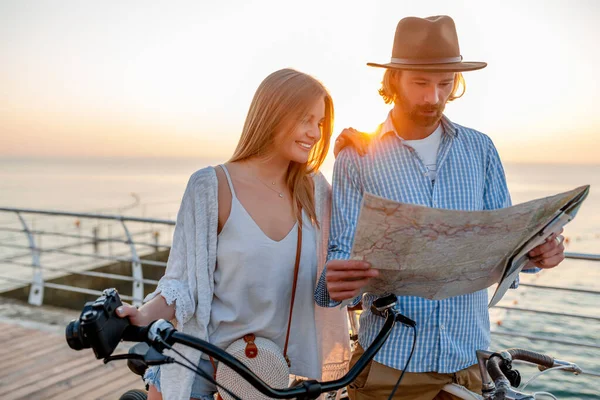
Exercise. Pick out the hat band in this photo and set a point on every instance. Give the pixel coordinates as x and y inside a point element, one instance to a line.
<point>426,61</point>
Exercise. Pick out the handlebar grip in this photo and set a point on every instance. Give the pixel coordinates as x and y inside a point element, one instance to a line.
<point>135,333</point>
<point>533,357</point>
<point>494,363</point>
<point>493,368</point>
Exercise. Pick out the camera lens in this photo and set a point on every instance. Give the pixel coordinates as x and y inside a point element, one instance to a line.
<point>75,339</point>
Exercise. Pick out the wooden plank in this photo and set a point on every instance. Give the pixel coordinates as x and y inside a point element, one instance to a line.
<point>40,365</point>
<point>33,382</point>
<point>35,366</point>
<point>86,385</point>
<point>27,344</point>
<point>47,354</point>
<point>10,331</point>
<point>117,388</point>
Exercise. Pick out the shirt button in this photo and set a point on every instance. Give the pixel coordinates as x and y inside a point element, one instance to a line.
<point>442,327</point>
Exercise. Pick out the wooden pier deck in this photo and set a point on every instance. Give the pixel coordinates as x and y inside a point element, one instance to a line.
<point>37,363</point>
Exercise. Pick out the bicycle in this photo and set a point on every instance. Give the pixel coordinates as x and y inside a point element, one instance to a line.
<point>101,329</point>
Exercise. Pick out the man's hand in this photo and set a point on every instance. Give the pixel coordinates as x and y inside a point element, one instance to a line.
<point>345,278</point>
<point>550,254</point>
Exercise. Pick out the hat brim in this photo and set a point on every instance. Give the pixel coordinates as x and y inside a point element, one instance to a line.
<point>451,67</point>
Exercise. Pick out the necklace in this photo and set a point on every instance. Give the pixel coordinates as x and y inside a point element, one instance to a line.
<point>272,187</point>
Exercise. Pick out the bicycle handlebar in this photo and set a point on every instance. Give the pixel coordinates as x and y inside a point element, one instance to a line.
<point>162,331</point>
<point>498,376</point>
<point>494,363</point>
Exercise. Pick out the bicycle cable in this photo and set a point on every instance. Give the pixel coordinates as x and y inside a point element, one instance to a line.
<point>406,365</point>
<point>535,376</point>
<point>545,394</point>
<point>198,371</point>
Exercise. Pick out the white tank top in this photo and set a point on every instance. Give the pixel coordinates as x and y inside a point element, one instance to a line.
<point>253,287</point>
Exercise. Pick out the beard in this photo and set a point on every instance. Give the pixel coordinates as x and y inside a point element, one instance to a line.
<point>415,115</point>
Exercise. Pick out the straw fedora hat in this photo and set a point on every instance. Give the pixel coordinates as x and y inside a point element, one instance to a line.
<point>428,44</point>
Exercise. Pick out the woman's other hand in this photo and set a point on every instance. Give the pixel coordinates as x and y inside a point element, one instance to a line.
<point>351,137</point>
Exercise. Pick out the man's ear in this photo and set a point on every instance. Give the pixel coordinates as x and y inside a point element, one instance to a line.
<point>395,82</point>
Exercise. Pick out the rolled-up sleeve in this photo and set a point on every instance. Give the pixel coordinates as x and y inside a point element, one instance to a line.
<point>347,197</point>
<point>175,286</point>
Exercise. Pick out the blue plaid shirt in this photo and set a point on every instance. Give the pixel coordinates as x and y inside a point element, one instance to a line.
<point>469,177</point>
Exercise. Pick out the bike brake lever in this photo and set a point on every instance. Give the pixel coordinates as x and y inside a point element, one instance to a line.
<point>152,357</point>
<point>123,357</point>
<point>570,367</point>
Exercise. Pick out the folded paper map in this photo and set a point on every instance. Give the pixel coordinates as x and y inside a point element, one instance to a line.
<point>436,253</point>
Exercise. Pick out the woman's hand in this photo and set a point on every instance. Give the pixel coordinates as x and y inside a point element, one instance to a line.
<point>351,137</point>
<point>157,308</point>
<point>136,316</point>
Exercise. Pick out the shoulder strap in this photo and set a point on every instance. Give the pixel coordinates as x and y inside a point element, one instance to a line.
<point>229,182</point>
<point>294,284</point>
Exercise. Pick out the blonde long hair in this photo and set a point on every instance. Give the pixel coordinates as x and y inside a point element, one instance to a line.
<point>389,92</point>
<point>281,101</point>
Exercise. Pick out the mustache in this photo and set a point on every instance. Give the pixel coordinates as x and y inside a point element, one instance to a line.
<point>430,108</point>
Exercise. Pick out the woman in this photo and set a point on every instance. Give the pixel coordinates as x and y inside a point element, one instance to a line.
<point>231,266</point>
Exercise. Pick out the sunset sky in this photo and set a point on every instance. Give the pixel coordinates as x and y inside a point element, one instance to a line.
<point>175,79</point>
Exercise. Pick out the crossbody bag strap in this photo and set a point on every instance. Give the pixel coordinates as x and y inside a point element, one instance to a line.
<point>296,269</point>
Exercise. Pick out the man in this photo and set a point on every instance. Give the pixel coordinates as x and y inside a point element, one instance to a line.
<point>419,156</point>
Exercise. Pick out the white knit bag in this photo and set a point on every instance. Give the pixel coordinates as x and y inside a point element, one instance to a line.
<point>268,363</point>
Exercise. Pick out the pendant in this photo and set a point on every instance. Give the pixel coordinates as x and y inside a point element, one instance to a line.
<point>281,195</point>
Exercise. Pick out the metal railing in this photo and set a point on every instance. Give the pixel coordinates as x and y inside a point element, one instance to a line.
<point>131,242</point>
<point>34,250</point>
<point>570,256</point>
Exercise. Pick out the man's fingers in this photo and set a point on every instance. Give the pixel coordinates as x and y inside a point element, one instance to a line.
<point>345,286</point>
<point>345,278</point>
<point>549,262</point>
<point>335,276</point>
<point>341,296</point>
<point>550,251</point>
<point>549,246</point>
<point>558,251</point>
<point>344,265</point>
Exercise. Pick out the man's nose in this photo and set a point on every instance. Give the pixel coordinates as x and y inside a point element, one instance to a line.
<point>432,96</point>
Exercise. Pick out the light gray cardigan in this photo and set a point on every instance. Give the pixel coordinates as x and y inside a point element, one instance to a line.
<point>189,281</point>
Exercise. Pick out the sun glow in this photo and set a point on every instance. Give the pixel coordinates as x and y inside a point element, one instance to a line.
<point>177,80</point>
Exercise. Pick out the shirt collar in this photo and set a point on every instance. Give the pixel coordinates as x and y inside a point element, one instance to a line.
<point>388,127</point>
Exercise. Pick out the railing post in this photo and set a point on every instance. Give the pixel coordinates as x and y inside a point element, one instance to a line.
<point>156,235</point>
<point>95,239</point>
<point>136,270</point>
<point>36,291</point>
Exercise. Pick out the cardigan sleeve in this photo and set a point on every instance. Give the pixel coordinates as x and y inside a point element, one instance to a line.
<point>179,285</point>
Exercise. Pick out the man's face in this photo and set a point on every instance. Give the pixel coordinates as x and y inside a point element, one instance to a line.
<point>422,96</point>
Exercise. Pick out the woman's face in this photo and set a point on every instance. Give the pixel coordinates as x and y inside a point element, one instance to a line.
<point>295,142</point>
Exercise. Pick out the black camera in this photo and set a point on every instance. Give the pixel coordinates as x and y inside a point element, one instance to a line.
<point>98,326</point>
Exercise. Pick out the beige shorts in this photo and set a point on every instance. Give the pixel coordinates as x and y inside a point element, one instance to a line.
<point>377,381</point>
